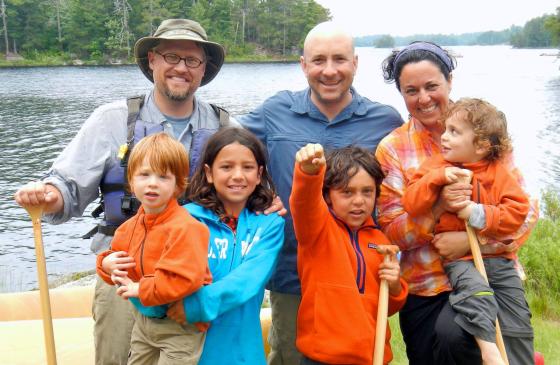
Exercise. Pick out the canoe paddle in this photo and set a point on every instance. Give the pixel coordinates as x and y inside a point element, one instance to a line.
<point>383,306</point>
<point>35,212</point>
<point>479,264</point>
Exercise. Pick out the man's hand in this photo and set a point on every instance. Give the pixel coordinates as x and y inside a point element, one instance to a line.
<point>117,263</point>
<point>311,158</point>
<point>36,193</point>
<point>276,206</point>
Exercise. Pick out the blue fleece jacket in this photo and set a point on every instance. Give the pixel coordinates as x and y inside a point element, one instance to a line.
<point>241,264</point>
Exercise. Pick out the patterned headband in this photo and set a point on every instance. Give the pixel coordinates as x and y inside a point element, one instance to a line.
<point>425,46</point>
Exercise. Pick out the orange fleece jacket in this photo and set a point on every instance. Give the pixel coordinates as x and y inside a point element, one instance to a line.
<point>339,277</point>
<point>170,250</point>
<point>505,203</point>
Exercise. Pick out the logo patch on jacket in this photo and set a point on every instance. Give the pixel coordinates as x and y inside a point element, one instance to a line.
<point>221,246</point>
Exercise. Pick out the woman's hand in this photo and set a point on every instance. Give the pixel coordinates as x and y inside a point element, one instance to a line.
<point>451,245</point>
<point>452,198</point>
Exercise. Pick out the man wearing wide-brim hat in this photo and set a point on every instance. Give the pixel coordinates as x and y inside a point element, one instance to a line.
<point>180,30</point>
<point>178,59</point>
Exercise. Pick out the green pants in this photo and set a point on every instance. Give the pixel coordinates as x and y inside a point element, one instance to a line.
<point>282,334</point>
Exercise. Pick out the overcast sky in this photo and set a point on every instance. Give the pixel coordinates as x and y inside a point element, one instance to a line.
<point>407,17</point>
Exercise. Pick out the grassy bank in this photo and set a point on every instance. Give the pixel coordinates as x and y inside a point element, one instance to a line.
<point>540,257</point>
<point>547,338</point>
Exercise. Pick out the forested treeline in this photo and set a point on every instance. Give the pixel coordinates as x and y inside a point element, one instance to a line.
<point>543,31</point>
<point>107,29</point>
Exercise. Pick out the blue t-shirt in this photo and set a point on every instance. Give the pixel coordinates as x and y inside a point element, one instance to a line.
<point>178,124</point>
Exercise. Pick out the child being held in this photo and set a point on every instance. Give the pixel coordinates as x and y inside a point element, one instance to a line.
<point>475,143</point>
<point>160,255</point>
<point>332,203</point>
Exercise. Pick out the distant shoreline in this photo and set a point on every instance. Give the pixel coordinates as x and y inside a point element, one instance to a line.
<point>91,63</point>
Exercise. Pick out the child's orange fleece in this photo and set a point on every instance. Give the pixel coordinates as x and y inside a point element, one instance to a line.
<point>170,250</point>
<point>339,277</point>
<point>505,203</point>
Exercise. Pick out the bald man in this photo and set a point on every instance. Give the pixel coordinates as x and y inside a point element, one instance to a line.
<point>329,112</point>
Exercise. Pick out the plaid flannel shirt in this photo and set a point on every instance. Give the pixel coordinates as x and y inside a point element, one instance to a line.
<point>400,154</point>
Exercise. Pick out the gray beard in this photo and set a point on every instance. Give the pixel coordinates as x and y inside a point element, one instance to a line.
<point>173,95</point>
<point>177,96</point>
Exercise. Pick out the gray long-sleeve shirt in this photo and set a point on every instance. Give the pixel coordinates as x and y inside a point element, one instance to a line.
<point>78,170</point>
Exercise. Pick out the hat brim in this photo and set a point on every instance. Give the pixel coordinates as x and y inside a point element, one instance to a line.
<point>215,55</point>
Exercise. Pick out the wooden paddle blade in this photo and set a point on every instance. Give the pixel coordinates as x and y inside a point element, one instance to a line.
<point>36,212</point>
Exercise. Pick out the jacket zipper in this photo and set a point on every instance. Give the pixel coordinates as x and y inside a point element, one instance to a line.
<point>233,255</point>
<point>142,246</point>
<point>360,260</point>
<point>234,243</point>
<point>361,272</point>
<point>478,191</point>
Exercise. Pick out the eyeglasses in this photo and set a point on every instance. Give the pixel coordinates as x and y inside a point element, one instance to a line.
<point>173,59</point>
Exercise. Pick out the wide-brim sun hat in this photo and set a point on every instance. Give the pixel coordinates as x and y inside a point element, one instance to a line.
<point>181,29</point>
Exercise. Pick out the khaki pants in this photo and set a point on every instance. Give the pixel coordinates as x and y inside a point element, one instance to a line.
<point>114,319</point>
<point>282,334</point>
<point>164,342</point>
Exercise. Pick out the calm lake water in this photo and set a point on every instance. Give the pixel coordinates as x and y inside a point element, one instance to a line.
<point>42,108</point>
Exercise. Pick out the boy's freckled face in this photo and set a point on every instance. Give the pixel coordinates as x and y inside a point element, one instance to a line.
<point>153,189</point>
<point>354,203</point>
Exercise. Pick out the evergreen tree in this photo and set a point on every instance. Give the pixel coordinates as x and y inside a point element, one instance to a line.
<point>533,35</point>
<point>552,24</point>
<point>385,41</point>
<point>88,22</point>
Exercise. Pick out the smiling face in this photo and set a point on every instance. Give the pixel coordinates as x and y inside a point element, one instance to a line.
<point>457,142</point>
<point>426,93</point>
<point>235,174</point>
<point>176,82</point>
<point>153,189</point>
<point>329,63</point>
<point>354,203</point>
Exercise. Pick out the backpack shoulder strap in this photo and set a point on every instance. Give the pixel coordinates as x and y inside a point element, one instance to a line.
<point>134,104</point>
<point>222,114</point>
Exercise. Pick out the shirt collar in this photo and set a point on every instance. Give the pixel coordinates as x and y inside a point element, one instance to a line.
<point>150,111</point>
<point>302,104</point>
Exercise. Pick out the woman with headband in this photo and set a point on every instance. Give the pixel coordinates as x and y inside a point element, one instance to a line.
<point>422,72</point>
